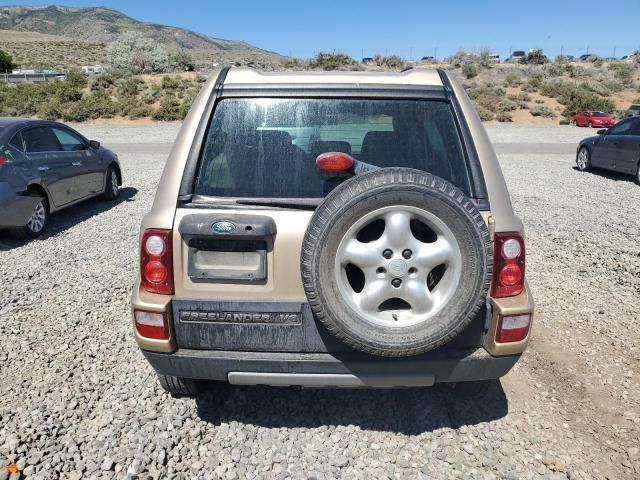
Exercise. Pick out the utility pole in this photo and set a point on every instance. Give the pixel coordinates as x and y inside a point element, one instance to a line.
<point>435,53</point>
<point>614,51</point>
<point>410,53</point>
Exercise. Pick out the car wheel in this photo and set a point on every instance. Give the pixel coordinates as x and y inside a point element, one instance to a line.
<point>638,174</point>
<point>37,222</point>
<point>396,262</point>
<point>583,160</point>
<point>111,189</point>
<point>179,387</point>
<point>590,125</point>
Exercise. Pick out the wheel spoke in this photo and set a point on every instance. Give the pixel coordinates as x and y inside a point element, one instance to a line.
<point>360,254</point>
<point>418,296</point>
<point>373,295</point>
<point>430,255</point>
<point>397,231</point>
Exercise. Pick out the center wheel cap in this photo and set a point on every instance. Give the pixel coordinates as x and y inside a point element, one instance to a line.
<point>398,267</point>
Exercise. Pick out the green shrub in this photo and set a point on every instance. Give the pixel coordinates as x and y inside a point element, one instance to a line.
<point>555,87</point>
<point>140,111</point>
<point>554,70</point>
<point>391,61</point>
<point>623,72</point>
<point>506,105</point>
<point>513,80</point>
<point>130,87</point>
<point>535,58</point>
<point>331,61</point>
<point>519,97</point>
<point>542,111</point>
<point>6,62</point>
<point>486,115</point>
<point>76,112</point>
<point>597,60</point>
<point>169,109</point>
<point>535,80</point>
<point>504,117</point>
<point>487,95</point>
<point>469,71</point>
<point>580,100</point>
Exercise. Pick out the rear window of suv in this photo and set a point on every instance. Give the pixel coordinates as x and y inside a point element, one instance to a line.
<point>266,147</point>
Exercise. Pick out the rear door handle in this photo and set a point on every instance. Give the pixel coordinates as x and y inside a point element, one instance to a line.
<point>43,169</point>
<point>77,164</point>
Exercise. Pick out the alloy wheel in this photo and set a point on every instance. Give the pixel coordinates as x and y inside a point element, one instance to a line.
<point>402,275</point>
<point>38,216</point>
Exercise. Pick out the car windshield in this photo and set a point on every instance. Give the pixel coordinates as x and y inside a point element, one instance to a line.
<point>267,147</point>
<point>599,114</point>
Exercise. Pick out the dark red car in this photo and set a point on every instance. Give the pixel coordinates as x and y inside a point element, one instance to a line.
<point>593,119</point>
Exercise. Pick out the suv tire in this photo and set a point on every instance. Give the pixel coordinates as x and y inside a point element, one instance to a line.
<point>179,387</point>
<point>401,196</point>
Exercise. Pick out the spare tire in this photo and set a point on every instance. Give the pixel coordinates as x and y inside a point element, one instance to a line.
<point>396,262</point>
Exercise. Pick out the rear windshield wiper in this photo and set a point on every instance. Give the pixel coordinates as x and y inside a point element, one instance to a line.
<point>300,203</point>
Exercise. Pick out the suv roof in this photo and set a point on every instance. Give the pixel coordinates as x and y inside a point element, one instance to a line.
<point>415,76</point>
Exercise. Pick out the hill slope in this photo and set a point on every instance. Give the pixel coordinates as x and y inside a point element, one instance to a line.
<point>104,25</point>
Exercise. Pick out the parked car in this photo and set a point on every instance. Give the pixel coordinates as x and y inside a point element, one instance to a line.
<point>367,60</point>
<point>585,57</point>
<point>429,59</point>
<point>516,56</point>
<point>593,119</point>
<point>45,167</point>
<point>368,242</point>
<point>633,110</point>
<point>494,58</point>
<point>616,149</point>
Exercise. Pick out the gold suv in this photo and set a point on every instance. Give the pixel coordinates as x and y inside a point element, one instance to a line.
<point>331,230</point>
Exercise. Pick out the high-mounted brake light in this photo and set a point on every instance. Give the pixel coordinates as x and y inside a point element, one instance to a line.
<point>334,162</point>
<point>508,265</point>
<point>156,261</point>
<point>152,324</point>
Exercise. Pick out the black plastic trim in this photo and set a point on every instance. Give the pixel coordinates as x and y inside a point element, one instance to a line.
<point>245,226</point>
<point>453,365</point>
<point>477,178</point>
<point>189,175</point>
<point>335,90</point>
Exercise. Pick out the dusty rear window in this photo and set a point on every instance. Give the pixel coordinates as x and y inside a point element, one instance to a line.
<point>266,147</point>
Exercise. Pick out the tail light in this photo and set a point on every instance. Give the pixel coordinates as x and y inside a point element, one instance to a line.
<point>156,261</point>
<point>512,328</point>
<point>3,160</point>
<point>509,265</point>
<point>152,324</point>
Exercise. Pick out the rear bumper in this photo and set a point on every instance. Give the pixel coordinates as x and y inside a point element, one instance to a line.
<point>15,210</point>
<point>332,370</point>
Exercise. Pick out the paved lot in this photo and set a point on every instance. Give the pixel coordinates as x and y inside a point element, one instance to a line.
<point>78,400</point>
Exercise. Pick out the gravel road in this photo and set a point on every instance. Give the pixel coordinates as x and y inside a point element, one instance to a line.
<point>77,400</point>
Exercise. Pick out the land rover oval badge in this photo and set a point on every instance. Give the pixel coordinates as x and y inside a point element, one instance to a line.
<point>223,227</point>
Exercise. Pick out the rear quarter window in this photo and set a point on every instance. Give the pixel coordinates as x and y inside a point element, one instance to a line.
<point>266,147</point>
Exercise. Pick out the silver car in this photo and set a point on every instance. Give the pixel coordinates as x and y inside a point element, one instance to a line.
<point>47,166</point>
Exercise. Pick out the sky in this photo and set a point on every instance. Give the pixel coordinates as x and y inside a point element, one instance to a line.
<point>411,28</point>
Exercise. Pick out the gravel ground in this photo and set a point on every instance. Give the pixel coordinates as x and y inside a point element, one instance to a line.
<point>79,401</point>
